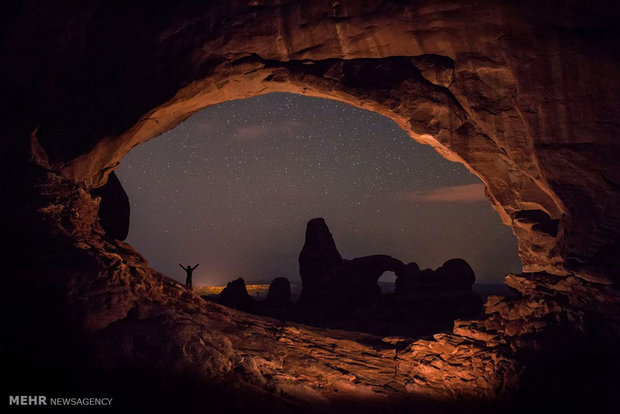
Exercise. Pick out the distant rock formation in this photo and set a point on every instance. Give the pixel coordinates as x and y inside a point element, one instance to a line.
<point>407,278</point>
<point>235,295</point>
<point>356,280</point>
<point>447,290</point>
<point>318,255</point>
<point>329,281</point>
<point>453,275</point>
<point>344,293</point>
<point>456,274</point>
<point>279,293</point>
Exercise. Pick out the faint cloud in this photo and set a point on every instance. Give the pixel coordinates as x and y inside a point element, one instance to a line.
<point>202,126</point>
<point>251,132</point>
<point>258,131</point>
<point>469,193</point>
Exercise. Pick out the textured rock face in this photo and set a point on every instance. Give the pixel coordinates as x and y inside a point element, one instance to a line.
<point>524,95</point>
<point>122,315</point>
<point>332,284</point>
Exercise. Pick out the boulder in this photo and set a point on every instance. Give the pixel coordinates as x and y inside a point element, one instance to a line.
<point>456,274</point>
<point>235,295</point>
<point>279,293</point>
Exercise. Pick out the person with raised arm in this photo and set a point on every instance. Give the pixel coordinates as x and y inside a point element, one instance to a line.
<point>188,270</point>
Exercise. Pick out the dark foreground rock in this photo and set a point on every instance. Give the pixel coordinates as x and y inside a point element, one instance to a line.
<point>134,333</point>
<point>113,208</point>
<point>235,295</point>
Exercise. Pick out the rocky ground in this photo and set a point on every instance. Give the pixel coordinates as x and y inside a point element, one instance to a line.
<point>121,318</point>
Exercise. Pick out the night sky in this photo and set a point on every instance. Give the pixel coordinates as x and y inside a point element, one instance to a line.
<point>233,187</point>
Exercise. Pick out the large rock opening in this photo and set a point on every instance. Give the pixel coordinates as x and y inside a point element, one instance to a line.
<point>524,96</point>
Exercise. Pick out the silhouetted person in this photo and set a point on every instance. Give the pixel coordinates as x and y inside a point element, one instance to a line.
<point>188,270</point>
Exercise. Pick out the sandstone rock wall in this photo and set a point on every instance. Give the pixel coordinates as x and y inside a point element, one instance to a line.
<point>524,95</point>
<point>115,314</point>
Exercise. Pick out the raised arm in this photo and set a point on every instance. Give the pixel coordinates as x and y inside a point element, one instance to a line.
<point>181,266</point>
<point>195,266</point>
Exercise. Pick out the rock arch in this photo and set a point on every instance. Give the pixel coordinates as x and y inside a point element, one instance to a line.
<point>525,97</point>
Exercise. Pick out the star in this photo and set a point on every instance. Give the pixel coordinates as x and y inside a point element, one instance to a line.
<point>234,185</point>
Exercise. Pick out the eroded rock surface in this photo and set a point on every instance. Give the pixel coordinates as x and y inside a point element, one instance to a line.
<point>517,93</point>
<point>127,323</point>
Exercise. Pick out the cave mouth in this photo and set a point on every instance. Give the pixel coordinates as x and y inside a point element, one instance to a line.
<point>419,102</point>
<point>233,186</point>
<point>416,99</point>
<point>522,94</point>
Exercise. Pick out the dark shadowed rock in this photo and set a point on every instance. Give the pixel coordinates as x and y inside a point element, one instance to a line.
<point>113,208</point>
<point>355,281</point>
<point>456,274</point>
<point>444,292</point>
<point>318,254</point>
<point>453,275</point>
<point>279,292</point>
<point>329,281</point>
<point>235,295</point>
<point>406,277</point>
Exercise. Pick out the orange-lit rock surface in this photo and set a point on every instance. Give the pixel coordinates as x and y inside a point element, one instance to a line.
<point>525,96</point>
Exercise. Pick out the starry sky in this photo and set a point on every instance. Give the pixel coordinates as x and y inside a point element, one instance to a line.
<point>233,187</point>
